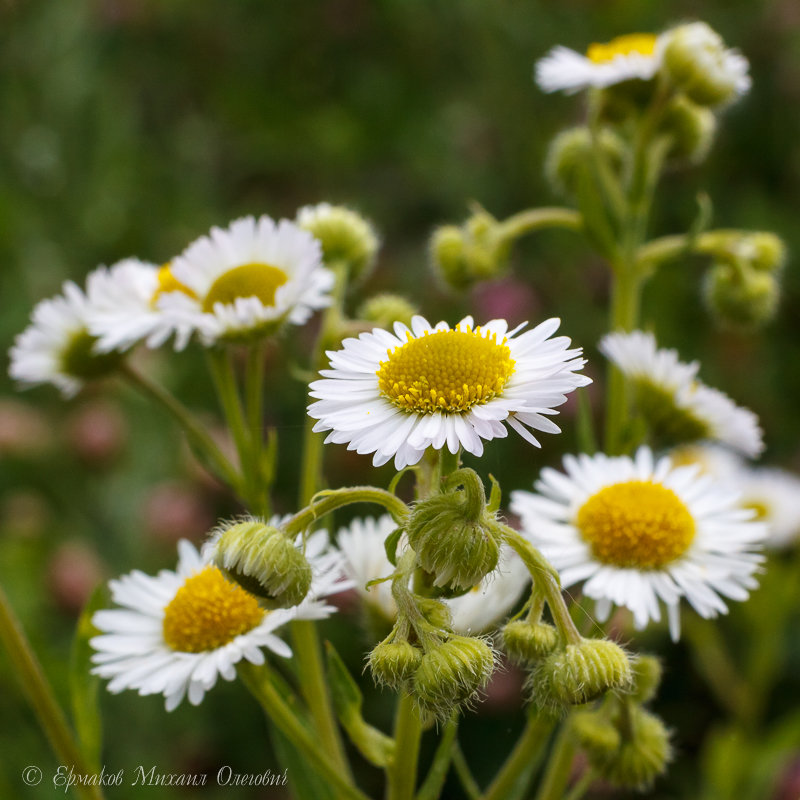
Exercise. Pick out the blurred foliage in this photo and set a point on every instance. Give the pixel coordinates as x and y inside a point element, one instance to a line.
<point>128,127</point>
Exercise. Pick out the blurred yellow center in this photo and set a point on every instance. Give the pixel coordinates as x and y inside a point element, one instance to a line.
<point>761,508</point>
<point>167,282</point>
<point>248,280</point>
<point>643,44</point>
<point>207,612</point>
<point>636,524</point>
<point>445,371</point>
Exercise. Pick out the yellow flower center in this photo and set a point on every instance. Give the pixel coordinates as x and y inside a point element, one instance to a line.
<point>209,611</point>
<point>445,371</point>
<point>248,280</point>
<point>643,44</point>
<point>167,282</point>
<point>761,508</point>
<point>636,524</point>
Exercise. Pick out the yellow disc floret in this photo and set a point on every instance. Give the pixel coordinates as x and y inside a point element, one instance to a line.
<point>248,280</point>
<point>167,282</point>
<point>207,612</point>
<point>445,371</point>
<point>642,44</point>
<point>636,524</point>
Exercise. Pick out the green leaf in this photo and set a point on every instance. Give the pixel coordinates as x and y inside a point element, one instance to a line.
<point>374,745</point>
<point>391,546</point>
<point>495,496</point>
<point>84,687</point>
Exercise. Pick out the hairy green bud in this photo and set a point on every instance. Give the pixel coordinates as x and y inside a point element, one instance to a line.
<point>452,673</point>
<point>741,297</point>
<point>264,561</point>
<point>698,64</point>
<point>385,309</point>
<point>691,128</point>
<point>647,673</point>
<point>394,663</point>
<point>436,612</point>
<point>456,539</point>
<point>528,642</point>
<point>570,153</point>
<point>643,754</point>
<point>579,674</point>
<point>596,734</point>
<point>762,250</point>
<point>345,236</point>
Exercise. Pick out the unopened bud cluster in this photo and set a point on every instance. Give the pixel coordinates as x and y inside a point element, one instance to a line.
<point>570,156</point>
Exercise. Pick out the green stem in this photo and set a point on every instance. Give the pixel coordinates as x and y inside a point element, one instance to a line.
<point>407,733</point>
<point>559,766</point>
<point>535,219</point>
<point>462,770</point>
<point>337,498</point>
<point>285,720</point>
<point>254,409</point>
<point>431,788</point>
<point>516,773</point>
<point>195,432</point>
<point>582,785</point>
<point>40,696</point>
<point>311,675</point>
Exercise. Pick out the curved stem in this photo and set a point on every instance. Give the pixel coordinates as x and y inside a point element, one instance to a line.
<point>337,498</point>
<point>431,789</point>
<point>522,761</point>
<point>195,432</point>
<point>462,770</point>
<point>535,219</point>
<point>40,696</point>
<point>407,734</point>
<point>559,765</point>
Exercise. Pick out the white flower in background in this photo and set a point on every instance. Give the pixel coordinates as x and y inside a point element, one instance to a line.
<point>177,632</point>
<point>478,610</point>
<point>636,56</point>
<point>430,386</point>
<point>640,532</point>
<point>57,346</point>
<point>247,280</point>
<point>124,308</point>
<point>676,405</point>
<point>774,495</point>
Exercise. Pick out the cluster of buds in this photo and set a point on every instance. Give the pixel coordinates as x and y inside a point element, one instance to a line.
<point>569,157</point>
<point>264,561</point>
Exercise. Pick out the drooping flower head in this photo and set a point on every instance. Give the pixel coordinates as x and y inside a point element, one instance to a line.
<point>175,633</point>
<point>247,280</point>
<point>677,407</point>
<point>395,394</point>
<point>58,347</point>
<point>640,531</point>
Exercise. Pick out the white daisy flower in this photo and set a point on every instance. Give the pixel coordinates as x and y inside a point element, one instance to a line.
<point>636,56</point>
<point>427,386</point>
<point>773,494</point>
<point>474,612</point>
<point>57,346</point>
<point>640,531</point>
<point>247,279</point>
<point>677,406</point>
<point>124,306</point>
<point>177,632</point>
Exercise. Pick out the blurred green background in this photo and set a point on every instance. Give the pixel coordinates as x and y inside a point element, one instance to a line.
<point>128,127</point>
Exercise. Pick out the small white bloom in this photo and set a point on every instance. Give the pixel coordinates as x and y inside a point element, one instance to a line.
<point>177,632</point>
<point>774,494</point>
<point>57,346</point>
<point>426,386</point>
<point>247,280</point>
<point>677,406</point>
<point>635,56</point>
<point>640,531</point>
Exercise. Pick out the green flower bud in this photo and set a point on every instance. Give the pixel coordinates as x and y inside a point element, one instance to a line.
<point>386,309</point>
<point>763,251</point>
<point>527,642</point>
<point>579,674</point>
<point>642,756</point>
<point>647,673</point>
<point>691,127</point>
<point>80,360</point>
<point>570,153</point>
<point>263,561</point>
<point>697,63</point>
<point>394,663</point>
<point>452,673</point>
<point>436,612</point>
<point>455,538</point>
<point>596,734</point>
<point>741,297</point>
<point>344,235</point>
<point>477,251</point>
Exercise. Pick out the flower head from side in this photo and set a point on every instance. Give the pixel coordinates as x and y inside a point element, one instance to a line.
<point>678,407</point>
<point>247,280</point>
<point>641,532</point>
<point>396,394</point>
<point>177,632</point>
